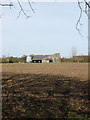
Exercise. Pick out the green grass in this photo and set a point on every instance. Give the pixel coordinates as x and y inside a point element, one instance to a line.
<point>73,116</point>
<point>59,114</point>
<point>3,107</point>
<point>29,114</point>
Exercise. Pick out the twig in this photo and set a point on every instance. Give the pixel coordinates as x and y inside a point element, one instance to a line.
<point>78,22</point>
<point>6,4</point>
<point>22,10</point>
<point>87,3</point>
<point>31,6</point>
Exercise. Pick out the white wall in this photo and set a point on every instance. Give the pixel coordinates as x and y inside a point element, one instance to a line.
<point>28,59</point>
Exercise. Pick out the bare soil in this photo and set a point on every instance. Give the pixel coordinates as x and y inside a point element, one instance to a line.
<point>45,91</point>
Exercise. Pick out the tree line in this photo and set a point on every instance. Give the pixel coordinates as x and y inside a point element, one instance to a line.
<point>22,59</point>
<point>12,59</point>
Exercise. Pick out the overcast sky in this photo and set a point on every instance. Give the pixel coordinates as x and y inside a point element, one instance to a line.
<point>50,30</point>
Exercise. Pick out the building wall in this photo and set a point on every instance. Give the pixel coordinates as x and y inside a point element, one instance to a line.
<point>45,61</point>
<point>28,59</point>
<point>56,57</point>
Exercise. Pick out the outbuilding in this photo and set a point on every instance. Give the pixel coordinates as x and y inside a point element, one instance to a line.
<point>44,58</point>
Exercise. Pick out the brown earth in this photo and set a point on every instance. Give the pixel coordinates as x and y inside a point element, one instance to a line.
<point>45,91</point>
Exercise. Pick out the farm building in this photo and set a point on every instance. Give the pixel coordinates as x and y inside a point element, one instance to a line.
<point>44,58</point>
<point>28,59</point>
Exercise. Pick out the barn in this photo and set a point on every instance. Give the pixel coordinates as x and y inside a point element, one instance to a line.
<point>44,58</point>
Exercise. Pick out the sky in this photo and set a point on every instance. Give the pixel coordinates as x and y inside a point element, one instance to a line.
<point>51,29</point>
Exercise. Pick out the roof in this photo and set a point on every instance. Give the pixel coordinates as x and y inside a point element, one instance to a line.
<point>42,57</point>
<point>46,57</point>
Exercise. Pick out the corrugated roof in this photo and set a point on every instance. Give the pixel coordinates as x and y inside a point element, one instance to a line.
<point>42,57</point>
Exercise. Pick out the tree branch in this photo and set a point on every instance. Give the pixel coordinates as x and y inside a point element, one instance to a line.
<point>22,10</point>
<point>6,4</point>
<point>87,3</point>
<point>31,6</point>
<point>85,10</point>
<point>78,22</point>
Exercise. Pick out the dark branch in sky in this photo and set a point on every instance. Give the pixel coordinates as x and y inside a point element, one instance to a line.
<point>78,22</point>
<point>22,10</point>
<point>31,6</point>
<point>81,12</point>
<point>87,3</point>
<point>21,7</point>
<point>10,4</point>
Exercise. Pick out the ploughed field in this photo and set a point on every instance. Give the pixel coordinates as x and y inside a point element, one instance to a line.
<point>33,90</point>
